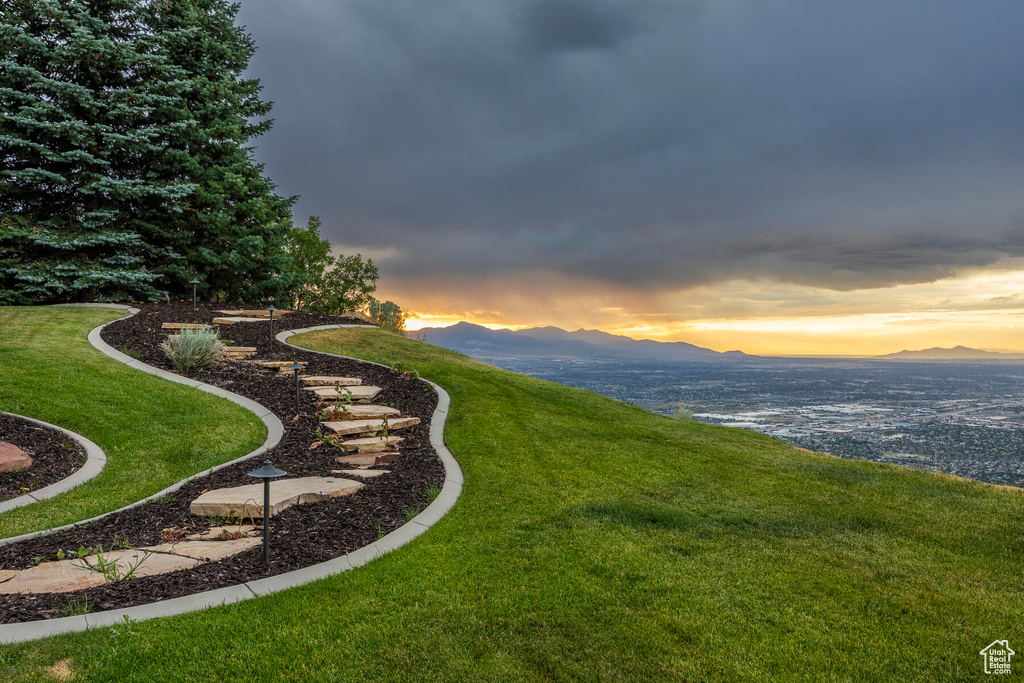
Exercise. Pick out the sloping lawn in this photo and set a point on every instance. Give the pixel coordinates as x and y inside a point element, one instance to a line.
<point>154,432</point>
<point>596,541</point>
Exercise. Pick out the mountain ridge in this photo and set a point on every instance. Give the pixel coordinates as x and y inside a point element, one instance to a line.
<point>554,342</point>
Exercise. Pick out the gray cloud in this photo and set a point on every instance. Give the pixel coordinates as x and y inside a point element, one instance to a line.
<point>653,144</point>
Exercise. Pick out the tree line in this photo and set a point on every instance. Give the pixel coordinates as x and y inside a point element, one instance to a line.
<point>126,166</point>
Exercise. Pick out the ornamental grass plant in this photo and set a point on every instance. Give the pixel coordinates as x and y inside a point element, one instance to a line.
<point>191,350</point>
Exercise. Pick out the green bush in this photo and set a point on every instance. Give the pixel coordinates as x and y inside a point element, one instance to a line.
<point>193,349</point>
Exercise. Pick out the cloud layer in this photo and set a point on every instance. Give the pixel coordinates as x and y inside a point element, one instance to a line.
<point>652,145</point>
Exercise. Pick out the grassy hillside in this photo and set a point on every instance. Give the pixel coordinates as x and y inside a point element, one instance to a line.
<point>596,541</point>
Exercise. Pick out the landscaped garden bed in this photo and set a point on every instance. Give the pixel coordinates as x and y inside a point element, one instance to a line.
<point>302,535</point>
<point>53,456</point>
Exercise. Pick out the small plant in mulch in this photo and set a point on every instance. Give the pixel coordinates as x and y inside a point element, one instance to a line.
<point>191,350</point>
<point>75,607</point>
<point>399,367</point>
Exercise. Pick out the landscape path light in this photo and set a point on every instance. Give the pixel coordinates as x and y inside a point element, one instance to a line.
<point>195,283</point>
<point>295,367</point>
<point>271,309</point>
<point>266,473</point>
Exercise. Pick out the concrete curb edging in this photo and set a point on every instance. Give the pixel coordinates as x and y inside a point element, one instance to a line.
<point>95,459</point>
<point>450,491</point>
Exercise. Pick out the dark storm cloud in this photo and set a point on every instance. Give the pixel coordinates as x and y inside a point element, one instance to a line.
<point>655,143</point>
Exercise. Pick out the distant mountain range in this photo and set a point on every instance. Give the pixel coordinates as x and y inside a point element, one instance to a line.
<point>554,342</point>
<point>955,353</point>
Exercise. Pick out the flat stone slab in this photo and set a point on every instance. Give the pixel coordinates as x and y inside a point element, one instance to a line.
<point>184,326</point>
<point>237,352</point>
<point>53,577</point>
<point>13,458</point>
<point>277,363</point>
<point>371,444</point>
<point>367,459</point>
<point>346,427</point>
<point>208,551</point>
<point>241,501</point>
<point>359,393</point>
<point>223,533</point>
<point>365,474</point>
<point>157,563</point>
<point>361,412</point>
<point>231,320</point>
<point>327,381</point>
<point>250,313</point>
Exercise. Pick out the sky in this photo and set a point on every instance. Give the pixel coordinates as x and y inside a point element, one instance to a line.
<point>776,176</point>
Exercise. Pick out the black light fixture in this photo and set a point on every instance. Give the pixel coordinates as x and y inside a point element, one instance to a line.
<point>195,283</point>
<point>271,309</point>
<point>295,367</point>
<point>266,473</point>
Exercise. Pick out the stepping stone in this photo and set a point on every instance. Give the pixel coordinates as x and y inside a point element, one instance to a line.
<point>184,326</point>
<point>362,412</point>
<point>52,577</point>
<point>258,313</point>
<point>277,363</point>
<point>239,352</point>
<point>346,427</point>
<point>368,459</point>
<point>371,444</point>
<point>207,551</point>
<point>6,574</point>
<point>231,320</point>
<point>157,563</point>
<point>223,533</point>
<point>241,501</point>
<point>326,381</point>
<point>359,393</point>
<point>366,474</point>
<point>12,458</point>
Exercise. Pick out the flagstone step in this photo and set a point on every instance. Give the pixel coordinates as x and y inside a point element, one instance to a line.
<point>184,326</point>
<point>239,352</point>
<point>242,501</point>
<point>231,320</point>
<point>371,444</point>
<point>75,574</point>
<point>277,363</point>
<point>363,392</point>
<point>360,412</point>
<point>348,427</point>
<point>368,459</point>
<point>327,381</point>
<point>252,313</point>
<point>366,474</point>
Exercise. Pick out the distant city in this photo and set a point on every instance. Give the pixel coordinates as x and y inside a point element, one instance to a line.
<point>961,418</point>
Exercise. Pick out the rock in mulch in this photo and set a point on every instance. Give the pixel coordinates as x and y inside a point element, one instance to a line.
<point>358,393</point>
<point>360,412</point>
<point>12,458</point>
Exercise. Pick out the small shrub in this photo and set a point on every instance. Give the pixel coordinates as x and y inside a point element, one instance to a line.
<point>683,413</point>
<point>193,349</point>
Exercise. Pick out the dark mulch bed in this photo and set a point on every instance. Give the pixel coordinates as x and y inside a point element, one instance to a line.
<point>54,456</point>
<point>302,535</point>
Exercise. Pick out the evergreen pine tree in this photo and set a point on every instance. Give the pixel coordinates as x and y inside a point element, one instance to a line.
<point>231,231</point>
<point>81,98</point>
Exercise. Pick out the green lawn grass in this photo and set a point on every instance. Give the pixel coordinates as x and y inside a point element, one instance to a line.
<point>596,541</point>
<point>154,432</point>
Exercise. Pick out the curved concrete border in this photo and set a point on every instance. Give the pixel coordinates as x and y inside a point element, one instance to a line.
<point>450,491</point>
<point>95,459</point>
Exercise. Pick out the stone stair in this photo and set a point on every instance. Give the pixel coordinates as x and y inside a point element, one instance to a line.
<point>361,412</point>
<point>239,352</point>
<point>368,459</point>
<point>370,427</point>
<point>362,392</point>
<point>371,444</point>
<point>327,381</point>
<point>184,326</point>
<point>243,501</point>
